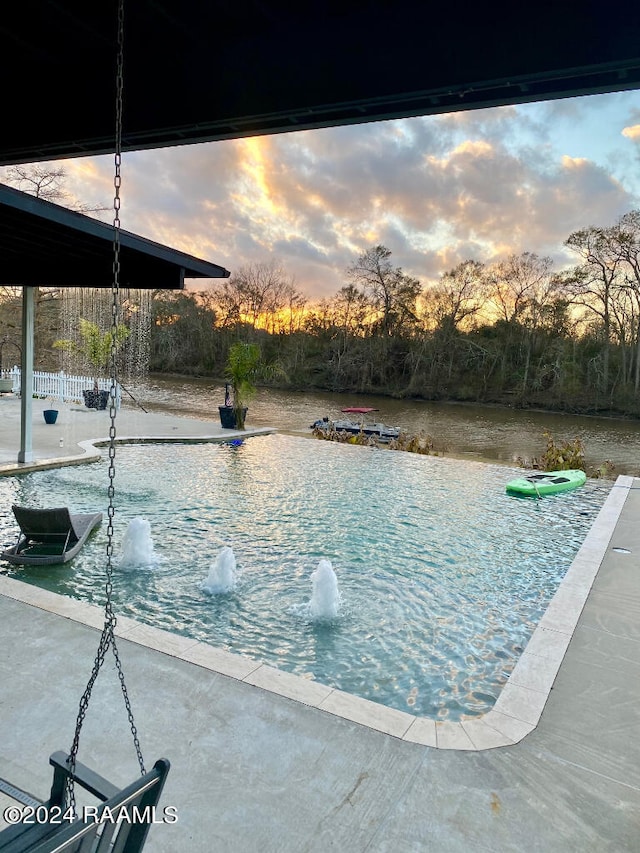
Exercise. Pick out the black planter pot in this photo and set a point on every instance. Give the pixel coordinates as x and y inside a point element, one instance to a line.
<point>50,416</point>
<point>228,417</point>
<point>96,399</point>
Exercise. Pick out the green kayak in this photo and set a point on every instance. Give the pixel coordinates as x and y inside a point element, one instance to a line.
<point>546,483</point>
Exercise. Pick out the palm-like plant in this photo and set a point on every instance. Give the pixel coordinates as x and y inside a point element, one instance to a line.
<point>244,368</point>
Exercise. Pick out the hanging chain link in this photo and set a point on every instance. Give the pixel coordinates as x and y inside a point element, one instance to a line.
<point>107,638</point>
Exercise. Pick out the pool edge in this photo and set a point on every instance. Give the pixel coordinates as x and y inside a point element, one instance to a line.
<point>517,710</point>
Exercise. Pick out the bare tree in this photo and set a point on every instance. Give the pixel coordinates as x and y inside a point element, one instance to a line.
<point>623,241</point>
<point>458,296</point>
<point>292,313</point>
<point>47,182</point>
<point>350,310</point>
<point>40,181</point>
<point>392,294</point>
<point>593,284</point>
<point>257,294</point>
<point>519,284</point>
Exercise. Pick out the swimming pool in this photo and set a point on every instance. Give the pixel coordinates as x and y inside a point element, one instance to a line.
<point>442,576</point>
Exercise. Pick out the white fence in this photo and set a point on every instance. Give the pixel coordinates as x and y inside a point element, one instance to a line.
<point>59,386</point>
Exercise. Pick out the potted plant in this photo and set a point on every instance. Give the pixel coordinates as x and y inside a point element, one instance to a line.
<point>95,348</point>
<point>50,414</point>
<point>244,367</point>
<point>227,412</point>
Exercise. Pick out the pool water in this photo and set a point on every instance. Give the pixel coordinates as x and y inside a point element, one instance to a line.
<point>442,576</point>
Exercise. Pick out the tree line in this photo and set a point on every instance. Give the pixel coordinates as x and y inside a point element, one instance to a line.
<point>515,332</point>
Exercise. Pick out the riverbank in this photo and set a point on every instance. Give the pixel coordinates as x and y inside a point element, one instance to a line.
<point>507,403</point>
<point>462,430</point>
<point>492,433</point>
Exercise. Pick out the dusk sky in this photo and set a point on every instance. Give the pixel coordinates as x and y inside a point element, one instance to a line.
<point>436,190</point>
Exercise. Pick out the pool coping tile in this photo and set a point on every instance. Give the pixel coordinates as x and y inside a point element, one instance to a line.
<point>422,730</point>
<point>451,735</point>
<point>368,713</point>
<point>548,643</point>
<point>517,710</point>
<point>521,702</point>
<point>162,641</point>
<point>511,728</point>
<point>220,660</point>
<point>484,736</point>
<point>535,672</point>
<point>304,690</point>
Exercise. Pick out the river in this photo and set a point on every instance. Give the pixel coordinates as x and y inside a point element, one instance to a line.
<point>485,433</point>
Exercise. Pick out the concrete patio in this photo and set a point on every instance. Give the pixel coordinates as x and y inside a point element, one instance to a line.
<point>264,761</point>
<point>71,439</point>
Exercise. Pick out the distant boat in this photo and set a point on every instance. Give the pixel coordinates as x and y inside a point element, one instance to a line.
<point>546,483</point>
<point>355,427</point>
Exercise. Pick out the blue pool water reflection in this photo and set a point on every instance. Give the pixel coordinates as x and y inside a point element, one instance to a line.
<point>442,576</point>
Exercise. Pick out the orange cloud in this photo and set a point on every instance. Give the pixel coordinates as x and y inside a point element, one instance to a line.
<point>574,162</point>
<point>632,132</point>
<point>476,147</point>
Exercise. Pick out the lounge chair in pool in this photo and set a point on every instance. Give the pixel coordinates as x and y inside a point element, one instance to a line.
<point>49,535</point>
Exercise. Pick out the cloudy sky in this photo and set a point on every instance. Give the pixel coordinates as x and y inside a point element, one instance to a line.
<point>436,190</point>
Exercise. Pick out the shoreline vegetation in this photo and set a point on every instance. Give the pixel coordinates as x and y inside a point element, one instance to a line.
<point>514,333</point>
<point>348,395</point>
<point>566,456</point>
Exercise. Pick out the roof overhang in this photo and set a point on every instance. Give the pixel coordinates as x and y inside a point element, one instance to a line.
<point>43,244</point>
<point>198,71</point>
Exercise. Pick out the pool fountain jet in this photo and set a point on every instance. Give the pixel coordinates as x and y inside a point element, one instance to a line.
<point>325,598</point>
<point>222,574</point>
<point>137,545</point>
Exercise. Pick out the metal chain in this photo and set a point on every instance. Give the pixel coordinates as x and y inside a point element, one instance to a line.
<point>107,638</point>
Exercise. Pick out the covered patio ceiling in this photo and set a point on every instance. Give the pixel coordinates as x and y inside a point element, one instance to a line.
<point>198,71</point>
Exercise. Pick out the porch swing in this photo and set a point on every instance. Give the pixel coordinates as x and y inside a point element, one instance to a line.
<point>123,817</point>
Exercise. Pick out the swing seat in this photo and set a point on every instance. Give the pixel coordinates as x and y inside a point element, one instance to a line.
<point>49,536</point>
<point>120,822</point>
